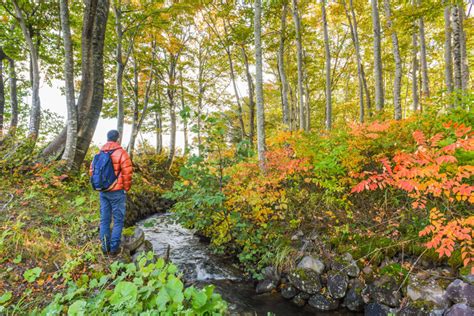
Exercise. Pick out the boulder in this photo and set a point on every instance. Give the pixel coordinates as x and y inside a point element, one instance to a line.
<point>305,280</point>
<point>323,303</point>
<point>428,292</point>
<point>461,292</point>
<point>265,286</point>
<point>299,300</point>
<point>383,291</point>
<point>312,263</point>
<point>133,241</point>
<point>353,300</point>
<point>272,273</point>
<point>337,284</point>
<point>412,311</point>
<point>288,291</point>
<point>460,310</point>
<point>468,278</point>
<point>377,309</point>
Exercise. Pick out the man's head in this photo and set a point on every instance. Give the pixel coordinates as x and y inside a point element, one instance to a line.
<point>113,135</point>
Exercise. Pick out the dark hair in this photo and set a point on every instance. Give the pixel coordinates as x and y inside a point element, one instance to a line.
<point>113,135</point>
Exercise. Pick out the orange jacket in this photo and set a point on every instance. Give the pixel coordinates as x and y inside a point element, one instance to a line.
<point>122,163</point>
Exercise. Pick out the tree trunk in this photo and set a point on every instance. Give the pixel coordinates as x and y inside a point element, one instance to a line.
<point>159,126</point>
<point>13,99</point>
<point>171,94</point>
<point>397,81</point>
<point>424,65</point>
<point>120,68</point>
<point>200,97</point>
<point>259,85</point>
<point>35,112</point>
<point>464,57</point>
<point>56,147</point>
<point>236,91</point>
<point>328,67</point>
<point>448,59</point>
<point>136,103</point>
<point>299,59</point>
<point>71,139</point>
<point>379,98</point>
<point>90,115</point>
<point>414,69</point>
<point>281,67</point>
<point>2,93</point>
<point>251,97</point>
<point>457,60</point>
<point>183,109</point>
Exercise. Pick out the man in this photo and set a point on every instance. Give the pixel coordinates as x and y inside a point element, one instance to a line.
<point>113,197</point>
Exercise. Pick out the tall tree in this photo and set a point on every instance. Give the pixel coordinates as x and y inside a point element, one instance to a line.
<point>281,66</point>
<point>2,92</point>
<point>299,60</point>
<point>457,60</point>
<point>379,93</point>
<point>250,86</point>
<point>424,64</point>
<point>328,66</point>
<point>71,138</point>
<point>397,81</point>
<point>13,98</point>
<point>35,112</point>
<point>464,56</point>
<point>259,84</point>
<point>414,69</point>
<point>448,59</point>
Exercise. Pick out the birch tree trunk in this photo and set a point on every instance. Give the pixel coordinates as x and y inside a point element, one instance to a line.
<point>464,59</point>
<point>251,97</point>
<point>457,61</point>
<point>448,59</point>
<point>171,89</point>
<point>259,85</point>
<point>328,67</point>
<point>424,65</point>
<point>398,63</point>
<point>120,68</point>
<point>136,104</point>
<point>159,126</point>
<point>379,94</point>
<point>183,109</point>
<point>281,67</point>
<point>13,99</point>
<point>414,70</point>
<point>200,97</point>
<point>35,112</point>
<point>91,109</point>
<point>299,58</point>
<point>71,138</point>
<point>2,93</point>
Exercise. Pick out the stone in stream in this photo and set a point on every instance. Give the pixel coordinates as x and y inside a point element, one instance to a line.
<point>337,284</point>
<point>323,303</point>
<point>272,273</point>
<point>428,292</point>
<point>265,286</point>
<point>460,310</point>
<point>312,263</point>
<point>288,291</point>
<point>353,300</point>
<point>132,241</point>
<point>305,280</point>
<point>377,309</point>
<point>461,292</point>
<point>300,299</point>
<point>383,291</point>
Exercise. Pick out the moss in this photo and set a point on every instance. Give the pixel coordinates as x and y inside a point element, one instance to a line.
<point>129,231</point>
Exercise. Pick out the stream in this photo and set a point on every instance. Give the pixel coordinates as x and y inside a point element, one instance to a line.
<point>200,267</point>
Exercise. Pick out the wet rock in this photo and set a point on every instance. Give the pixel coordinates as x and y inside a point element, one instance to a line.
<point>461,292</point>
<point>412,311</point>
<point>429,292</point>
<point>337,284</point>
<point>377,309</point>
<point>305,280</point>
<point>312,263</point>
<point>132,242</point>
<point>351,267</point>
<point>468,278</point>
<point>460,310</point>
<point>265,286</point>
<point>288,291</point>
<point>353,300</point>
<point>323,303</point>
<point>299,300</point>
<point>383,291</point>
<point>271,273</point>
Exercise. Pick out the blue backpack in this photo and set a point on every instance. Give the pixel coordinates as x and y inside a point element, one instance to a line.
<point>103,173</point>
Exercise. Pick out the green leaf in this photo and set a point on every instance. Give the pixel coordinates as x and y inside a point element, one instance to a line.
<point>162,299</point>
<point>199,299</point>
<point>5,297</point>
<point>80,200</point>
<point>124,292</point>
<point>17,259</point>
<point>32,274</point>
<point>78,308</point>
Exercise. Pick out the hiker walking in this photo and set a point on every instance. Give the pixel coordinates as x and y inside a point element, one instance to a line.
<point>111,175</point>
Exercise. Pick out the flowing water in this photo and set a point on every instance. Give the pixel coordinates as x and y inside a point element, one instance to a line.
<point>201,267</point>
